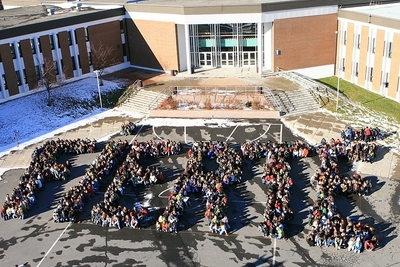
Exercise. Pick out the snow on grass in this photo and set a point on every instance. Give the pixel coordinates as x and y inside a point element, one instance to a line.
<point>29,118</point>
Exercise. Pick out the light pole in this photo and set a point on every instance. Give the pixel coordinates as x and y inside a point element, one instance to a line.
<point>338,88</point>
<point>98,87</point>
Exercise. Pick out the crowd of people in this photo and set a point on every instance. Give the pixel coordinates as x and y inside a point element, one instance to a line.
<point>276,176</point>
<point>328,227</point>
<point>42,168</point>
<point>352,150</point>
<point>197,179</point>
<point>228,172</point>
<point>367,134</point>
<point>73,201</point>
<point>131,171</point>
<point>127,128</point>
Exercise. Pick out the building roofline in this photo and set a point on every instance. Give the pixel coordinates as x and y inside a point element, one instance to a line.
<point>58,22</point>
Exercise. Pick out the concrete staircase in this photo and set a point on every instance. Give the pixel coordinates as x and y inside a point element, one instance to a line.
<point>142,101</point>
<point>293,102</point>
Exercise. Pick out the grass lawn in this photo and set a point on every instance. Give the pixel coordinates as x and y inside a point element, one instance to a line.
<point>366,98</point>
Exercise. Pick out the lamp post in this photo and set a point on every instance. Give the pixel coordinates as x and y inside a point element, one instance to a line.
<point>98,87</point>
<point>338,88</point>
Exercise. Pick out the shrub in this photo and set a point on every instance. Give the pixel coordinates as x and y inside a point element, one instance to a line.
<point>248,104</point>
<point>256,105</point>
<point>168,103</point>
<point>207,103</point>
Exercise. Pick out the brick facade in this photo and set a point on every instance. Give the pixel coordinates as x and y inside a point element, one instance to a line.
<point>107,35</point>
<point>29,62</point>
<point>82,47</point>
<point>9,70</point>
<point>153,44</point>
<point>66,67</point>
<point>304,42</point>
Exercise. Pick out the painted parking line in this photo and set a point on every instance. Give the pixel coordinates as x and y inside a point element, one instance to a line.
<point>185,134</point>
<point>274,254</point>
<point>55,242</point>
<point>265,132</point>
<point>156,135</point>
<point>133,139</point>
<point>227,139</point>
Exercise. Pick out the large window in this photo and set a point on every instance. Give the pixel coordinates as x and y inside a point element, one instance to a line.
<point>229,44</point>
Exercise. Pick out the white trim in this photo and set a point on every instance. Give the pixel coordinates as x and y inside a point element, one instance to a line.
<point>369,25</point>
<point>237,18</point>
<point>57,30</point>
<point>318,71</point>
<point>145,68</point>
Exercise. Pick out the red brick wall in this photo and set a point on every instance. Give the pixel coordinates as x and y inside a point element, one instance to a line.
<point>305,42</point>
<point>9,70</point>
<point>153,44</point>
<point>47,54</point>
<point>66,55</point>
<point>83,53</point>
<point>29,63</point>
<point>108,35</point>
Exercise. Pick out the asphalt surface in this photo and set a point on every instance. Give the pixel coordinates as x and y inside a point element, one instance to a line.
<point>41,242</point>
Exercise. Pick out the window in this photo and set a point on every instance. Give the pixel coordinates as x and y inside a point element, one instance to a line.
<point>12,51</point>
<point>18,77</point>
<point>19,49</point>
<point>76,37</point>
<point>79,62</point>
<point>386,82</point>
<point>40,46</point>
<point>51,42</point>
<point>343,64</point>
<point>73,63</point>
<point>373,45</point>
<point>4,82</point>
<point>121,26</point>
<point>356,70</point>
<point>90,59</point>
<point>33,47</point>
<point>69,37</point>
<point>390,50</point>
<point>37,69</point>
<point>123,49</point>
<point>58,41</point>
<point>57,71</point>
<point>86,34</point>
<point>358,41</point>
<point>371,72</point>
<point>24,73</point>
<point>345,38</point>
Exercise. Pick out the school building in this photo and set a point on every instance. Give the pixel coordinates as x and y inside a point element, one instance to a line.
<point>179,36</point>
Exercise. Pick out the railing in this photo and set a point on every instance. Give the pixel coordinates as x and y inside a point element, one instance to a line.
<point>271,97</point>
<point>217,90</point>
<point>167,91</point>
<point>132,89</point>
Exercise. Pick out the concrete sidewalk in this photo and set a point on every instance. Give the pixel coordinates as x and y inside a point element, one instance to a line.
<point>313,127</point>
<point>20,157</point>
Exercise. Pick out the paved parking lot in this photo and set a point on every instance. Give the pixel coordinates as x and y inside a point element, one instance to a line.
<point>40,242</point>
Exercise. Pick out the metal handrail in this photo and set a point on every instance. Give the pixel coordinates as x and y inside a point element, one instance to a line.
<point>164,92</point>
<point>271,95</point>
<point>128,93</point>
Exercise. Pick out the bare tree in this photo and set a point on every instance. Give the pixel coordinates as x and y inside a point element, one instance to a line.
<point>49,77</point>
<point>102,57</point>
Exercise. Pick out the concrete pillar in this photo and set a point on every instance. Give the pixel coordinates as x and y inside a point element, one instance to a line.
<point>259,48</point>
<point>188,57</point>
